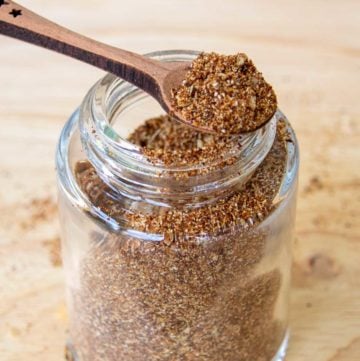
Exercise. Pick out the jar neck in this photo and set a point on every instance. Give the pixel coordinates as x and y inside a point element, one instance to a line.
<point>124,168</point>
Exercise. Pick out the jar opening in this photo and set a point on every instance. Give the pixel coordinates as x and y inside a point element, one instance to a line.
<point>113,108</point>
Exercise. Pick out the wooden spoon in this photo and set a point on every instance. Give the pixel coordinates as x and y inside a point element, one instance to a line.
<point>155,77</point>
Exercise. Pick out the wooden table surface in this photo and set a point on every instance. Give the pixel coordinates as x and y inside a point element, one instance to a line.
<point>309,50</point>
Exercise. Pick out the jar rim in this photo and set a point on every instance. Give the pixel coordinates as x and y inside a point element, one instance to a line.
<point>84,120</point>
<point>104,145</point>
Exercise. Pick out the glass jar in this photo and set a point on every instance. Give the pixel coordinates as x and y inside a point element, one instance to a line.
<point>173,263</point>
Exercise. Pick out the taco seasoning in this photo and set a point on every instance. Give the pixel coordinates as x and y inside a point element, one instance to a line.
<point>176,243</point>
<point>224,94</point>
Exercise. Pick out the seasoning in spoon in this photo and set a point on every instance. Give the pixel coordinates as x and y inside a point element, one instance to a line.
<point>224,94</point>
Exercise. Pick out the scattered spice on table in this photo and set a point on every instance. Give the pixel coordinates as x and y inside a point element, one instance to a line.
<point>39,210</point>
<point>53,246</point>
<point>224,94</point>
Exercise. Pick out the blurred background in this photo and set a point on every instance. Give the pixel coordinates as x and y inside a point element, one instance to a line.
<point>308,50</point>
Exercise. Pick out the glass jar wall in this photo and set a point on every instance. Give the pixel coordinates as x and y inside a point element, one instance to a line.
<point>187,262</point>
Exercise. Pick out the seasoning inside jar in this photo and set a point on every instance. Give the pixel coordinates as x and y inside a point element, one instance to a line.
<point>191,258</point>
<point>190,294</point>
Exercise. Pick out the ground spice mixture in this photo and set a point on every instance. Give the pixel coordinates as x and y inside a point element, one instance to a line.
<point>201,294</point>
<point>166,141</point>
<point>224,94</point>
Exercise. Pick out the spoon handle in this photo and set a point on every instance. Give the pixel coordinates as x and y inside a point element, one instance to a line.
<point>18,22</point>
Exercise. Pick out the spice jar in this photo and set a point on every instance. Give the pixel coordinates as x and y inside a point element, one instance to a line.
<point>164,262</point>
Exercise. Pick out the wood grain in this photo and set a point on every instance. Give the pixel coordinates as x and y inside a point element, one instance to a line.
<point>308,50</point>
